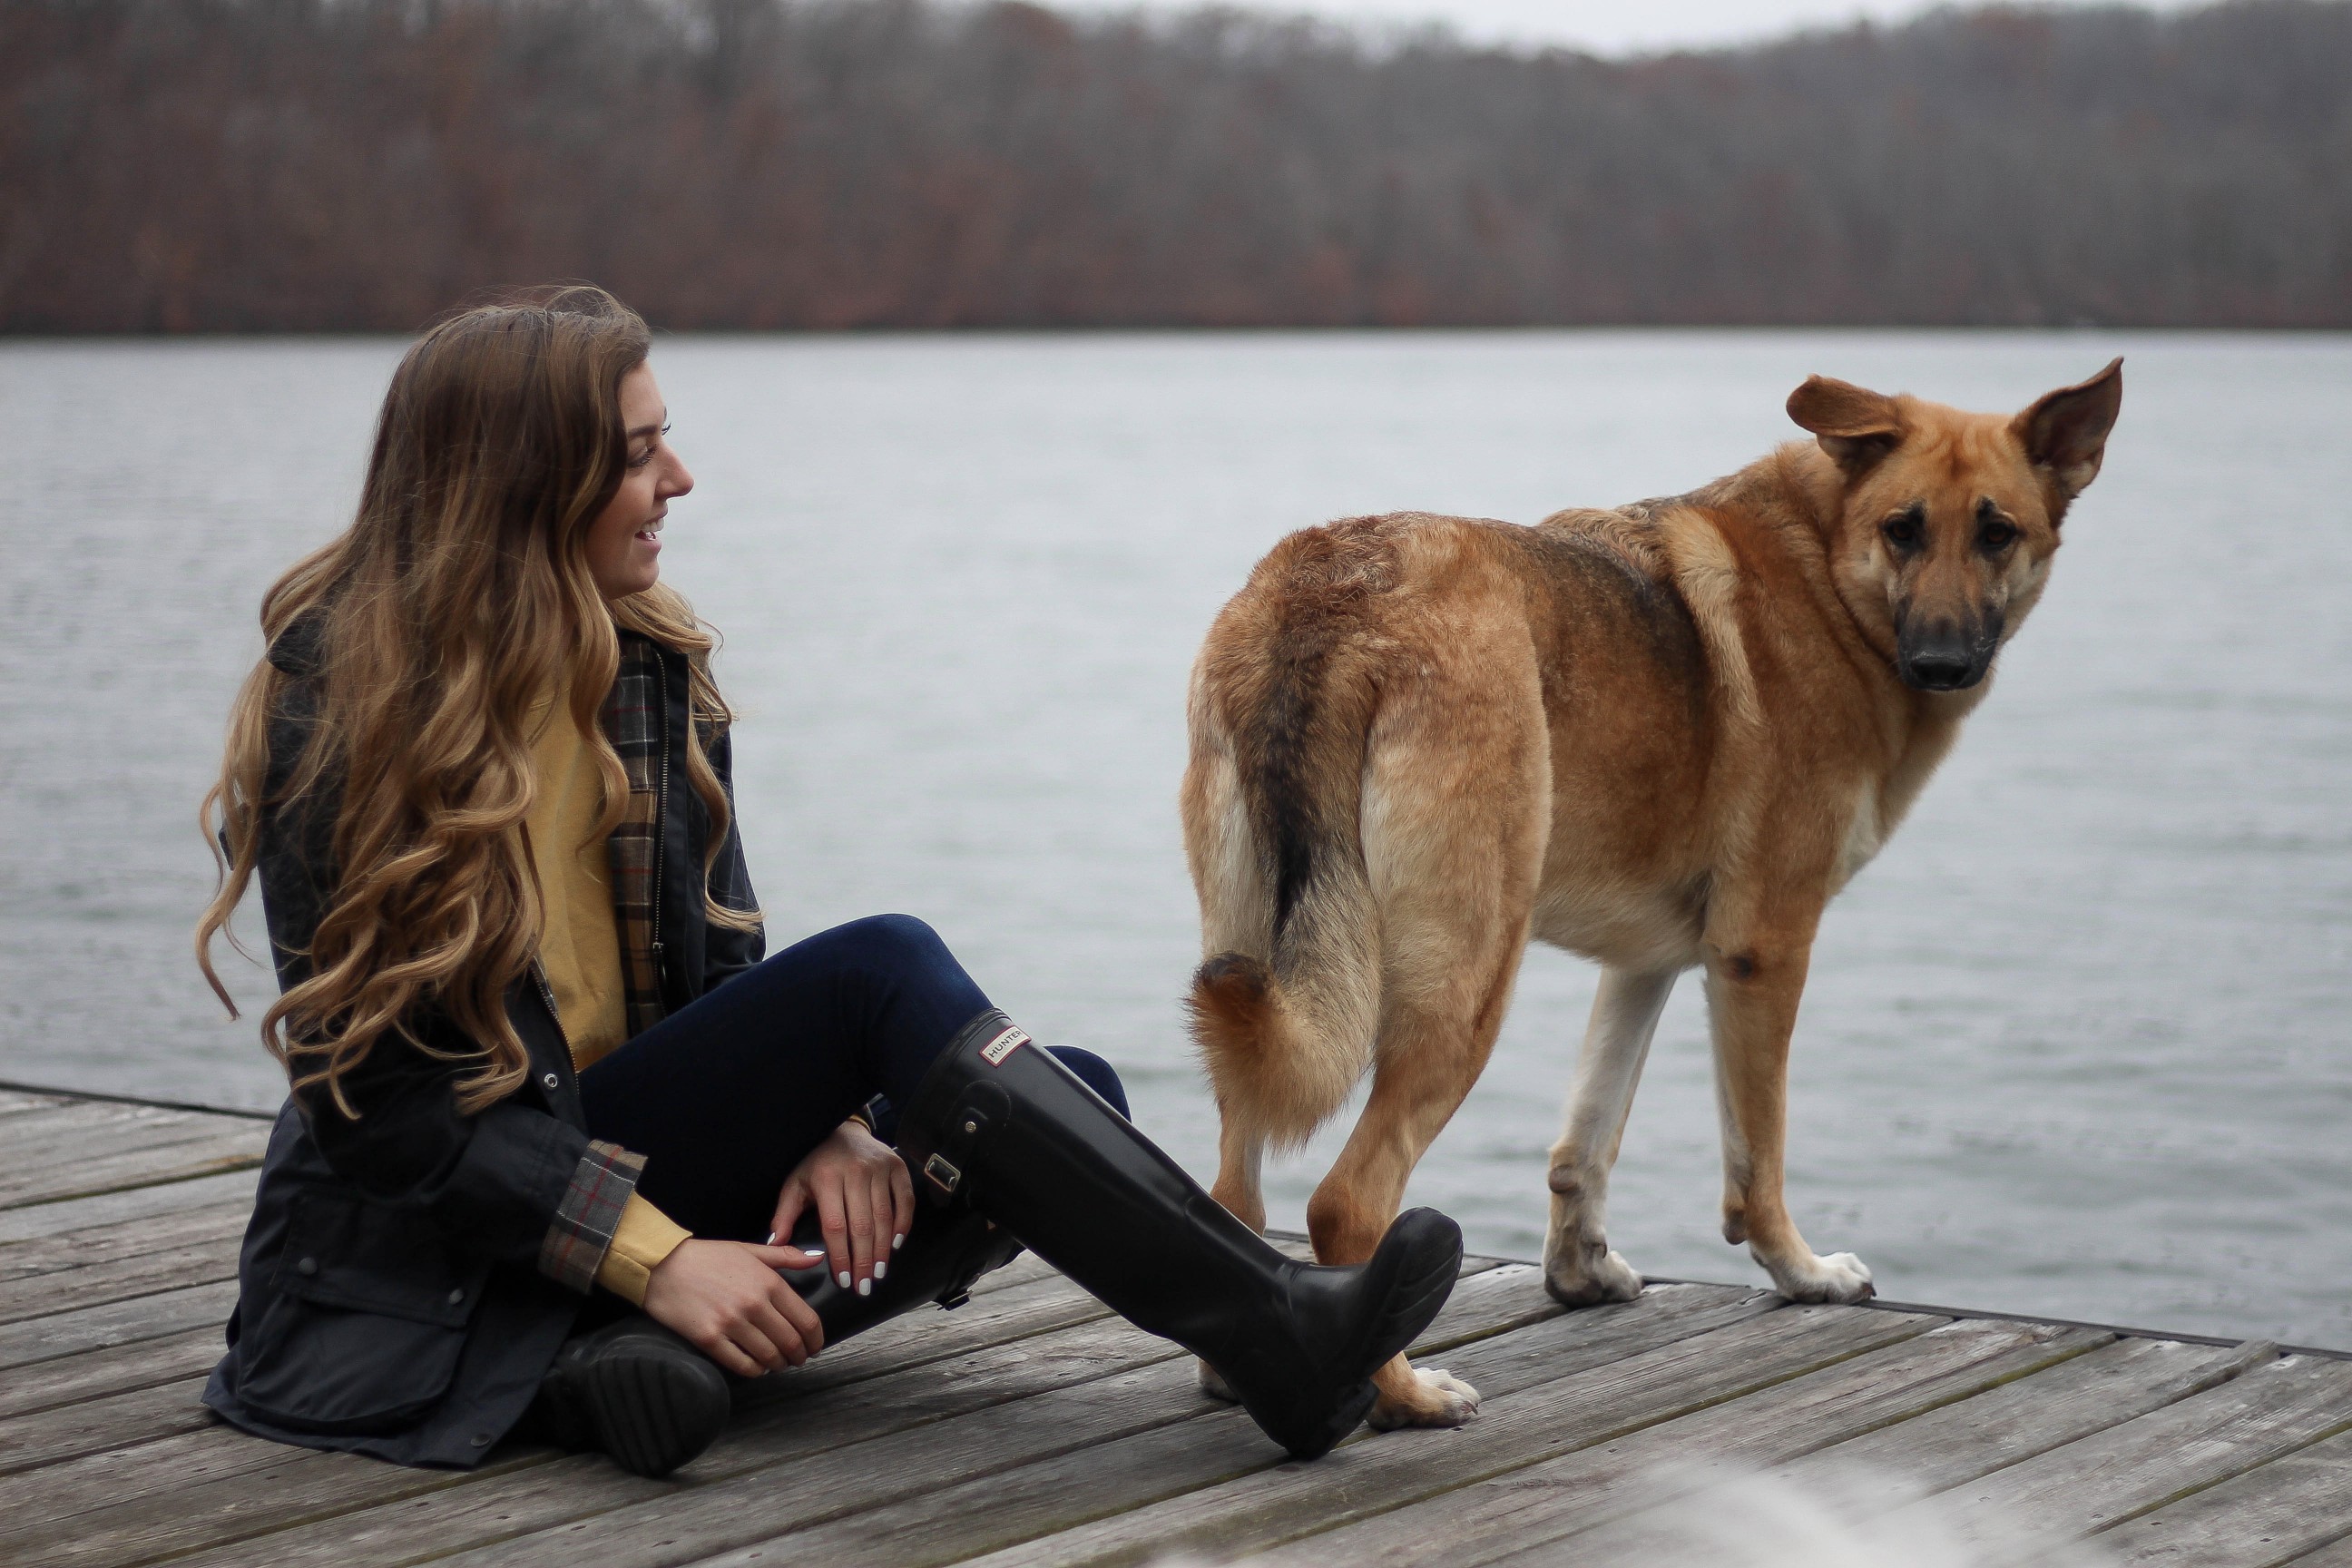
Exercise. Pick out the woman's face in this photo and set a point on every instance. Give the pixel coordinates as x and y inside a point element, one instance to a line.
<point>625,541</point>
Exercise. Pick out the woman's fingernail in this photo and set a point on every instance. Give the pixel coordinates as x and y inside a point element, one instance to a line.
<point>865,1287</point>
<point>843,1277</point>
<point>881,1269</point>
<point>897,1241</point>
<point>771,1238</point>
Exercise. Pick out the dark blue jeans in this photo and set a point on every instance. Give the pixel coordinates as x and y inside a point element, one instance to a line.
<point>725,1097</point>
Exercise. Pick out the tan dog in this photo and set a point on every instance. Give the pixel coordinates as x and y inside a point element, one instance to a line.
<point>1662,737</point>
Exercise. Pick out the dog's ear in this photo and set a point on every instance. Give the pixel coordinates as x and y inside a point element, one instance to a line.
<point>1854,425</point>
<point>2065,432</point>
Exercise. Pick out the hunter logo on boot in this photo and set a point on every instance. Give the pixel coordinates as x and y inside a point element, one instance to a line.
<point>1004,1045</point>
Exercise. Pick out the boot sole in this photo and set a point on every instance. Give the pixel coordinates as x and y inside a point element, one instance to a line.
<point>653,1412</point>
<point>1412,1303</point>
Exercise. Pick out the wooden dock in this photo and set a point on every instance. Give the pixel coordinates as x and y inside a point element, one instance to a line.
<point>1032,1427</point>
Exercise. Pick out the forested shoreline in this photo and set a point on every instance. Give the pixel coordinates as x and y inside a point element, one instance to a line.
<point>302,166</point>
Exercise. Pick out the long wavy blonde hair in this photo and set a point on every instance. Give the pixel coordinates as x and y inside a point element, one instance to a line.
<point>458,598</point>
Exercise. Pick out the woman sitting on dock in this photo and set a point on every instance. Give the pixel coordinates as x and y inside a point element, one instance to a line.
<point>553,1116</point>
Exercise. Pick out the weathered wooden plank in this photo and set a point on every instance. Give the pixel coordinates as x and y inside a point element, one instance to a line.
<point>117,1476</point>
<point>112,1241</point>
<point>115,1324</point>
<point>2337,1554</point>
<point>130,1202</point>
<point>1951,1447</point>
<point>94,1131</point>
<point>13,1100</point>
<point>2259,1520</point>
<point>2096,1481</point>
<point>2090,1393</point>
<point>1547,1502</point>
<point>92,1374</point>
<point>240,1145</point>
<point>1516,1426</point>
<point>94,1425</point>
<point>1079,1415</point>
<point>298,1484</point>
<point>161,1268</point>
<point>34,1128</point>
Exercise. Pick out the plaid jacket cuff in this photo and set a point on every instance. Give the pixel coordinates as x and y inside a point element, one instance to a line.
<point>591,1212</point>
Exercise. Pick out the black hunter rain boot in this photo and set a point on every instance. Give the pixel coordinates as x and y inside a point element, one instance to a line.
<point>999,1120</point>
<point>635,1391</point>
<point>652,1401</point>
<point>946,1250</point>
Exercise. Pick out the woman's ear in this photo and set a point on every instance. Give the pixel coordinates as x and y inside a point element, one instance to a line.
<point>1855,425</point>
<point>2066,432</point>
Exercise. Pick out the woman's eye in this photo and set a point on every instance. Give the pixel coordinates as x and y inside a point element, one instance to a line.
<point>642,459</point>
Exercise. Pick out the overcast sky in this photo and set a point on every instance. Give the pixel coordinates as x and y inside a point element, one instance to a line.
<point>1609,27</point>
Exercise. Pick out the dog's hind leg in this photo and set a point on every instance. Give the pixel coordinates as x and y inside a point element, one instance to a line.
<point>1240,1159</point>
<point>1454,875</point>
<point>1578,1267</point>
<point>1428,1059</point>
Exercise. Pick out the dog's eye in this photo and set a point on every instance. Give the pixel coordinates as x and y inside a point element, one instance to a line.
<point>1996,536</point>
<point>1902,530</point>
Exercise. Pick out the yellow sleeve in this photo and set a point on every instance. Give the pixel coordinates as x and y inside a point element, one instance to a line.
<point>645,1237</point>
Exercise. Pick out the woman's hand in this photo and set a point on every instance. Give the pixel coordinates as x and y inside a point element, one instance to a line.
<point>864,1202</point>
<point>726,1298</point>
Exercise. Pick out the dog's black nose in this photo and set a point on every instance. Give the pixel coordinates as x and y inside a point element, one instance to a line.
<point>1938,671</point>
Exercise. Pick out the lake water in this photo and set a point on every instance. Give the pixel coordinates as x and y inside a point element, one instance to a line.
<point>2075,1045</point>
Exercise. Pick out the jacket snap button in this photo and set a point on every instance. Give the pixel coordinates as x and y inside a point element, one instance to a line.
<point>456,1296</point>
<point>549,1081</point>
<point>307,1266</point>
<point>972,1126</point>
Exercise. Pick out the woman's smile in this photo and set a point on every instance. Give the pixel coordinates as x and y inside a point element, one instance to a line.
<point>625,541</point>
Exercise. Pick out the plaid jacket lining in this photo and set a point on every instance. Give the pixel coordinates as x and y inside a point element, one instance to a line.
<point>608,1174</point>
<point>632,720</point>
<point>591,1212</point>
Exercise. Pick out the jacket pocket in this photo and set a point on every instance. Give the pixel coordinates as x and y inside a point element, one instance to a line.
<point>365,1322</point>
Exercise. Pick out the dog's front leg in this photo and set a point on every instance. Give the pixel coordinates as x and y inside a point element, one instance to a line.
<point>1753,986</point>
<point>1578,1267</point>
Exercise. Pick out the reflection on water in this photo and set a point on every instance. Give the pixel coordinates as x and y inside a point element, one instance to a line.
<point>2074,1045</point>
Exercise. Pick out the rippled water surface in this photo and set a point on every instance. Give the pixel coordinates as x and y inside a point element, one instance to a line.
<point>2075,1045</point>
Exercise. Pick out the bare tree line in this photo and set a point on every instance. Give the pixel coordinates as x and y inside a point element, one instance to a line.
<point>238,165</point>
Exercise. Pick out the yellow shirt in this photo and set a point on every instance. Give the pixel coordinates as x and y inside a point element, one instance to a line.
<point>580,949</point>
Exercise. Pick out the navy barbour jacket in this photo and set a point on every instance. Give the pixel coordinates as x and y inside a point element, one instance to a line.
<point>408,1277</point>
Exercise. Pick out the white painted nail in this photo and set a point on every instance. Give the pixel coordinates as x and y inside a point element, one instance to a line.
<point>881,1269</point>
<point>897,1241</point>
<point>771,1238</point>
<point>865,1287</point>
<point>843,1277</point>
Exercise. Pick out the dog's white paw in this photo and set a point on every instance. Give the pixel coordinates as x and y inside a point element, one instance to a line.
<point>1214,1384</point>
<point>1438,1399</point>
<point>1840,1277</point>
<point>1579,1278</point>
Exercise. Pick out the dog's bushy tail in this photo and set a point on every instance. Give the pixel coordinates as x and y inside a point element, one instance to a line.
<point>1286,1005</point>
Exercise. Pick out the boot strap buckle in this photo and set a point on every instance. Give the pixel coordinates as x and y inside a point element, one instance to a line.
<point>942,1174</point>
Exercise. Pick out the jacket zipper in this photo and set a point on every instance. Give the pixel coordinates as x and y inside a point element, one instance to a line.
<point>547,994</point>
